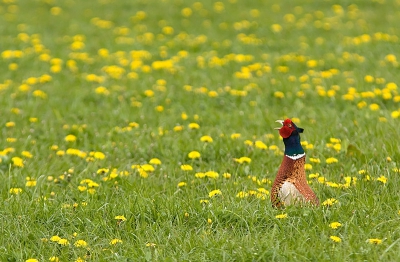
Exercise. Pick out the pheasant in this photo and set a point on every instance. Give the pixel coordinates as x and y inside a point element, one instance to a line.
<point>290,185</point>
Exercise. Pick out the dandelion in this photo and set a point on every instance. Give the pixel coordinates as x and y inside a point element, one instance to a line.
<point>211,174</point>
<point>226,175</point>
<point>17,161</point>
<point>99,155</point>
<point>80,243</point>
<point>178,128</point>
<point>55,238</point>
<point>335,225</point>
<point>331,160</point>
<point>70,138</point>
<point>155,161</point>
<point>235,136</point>
<point>15,190</point>
<point>248,143</point>
<point>276,28</point>
<point>335,239</point>
<point>182,184</point>
<point>30,182</point>
<point>207,139</point>
<point>329,202</point>
<point>151,244</point>
<point>186,167</point>
<point>382,179</point>
<point>32,260</point>
<point>281,216</point>
<point>242,160</point>
<point>194,126</point>
<point>308,166</point>
<point>115,241</point>
<point>63,242</point>
<point>315,160</point>
<point>120,218</point>
<point>279,94</point>
<point>54,259</point>
<point>10,124</point>
<point>209,221</point>
<point>375,241</point>
<point>204,201</point>
<point>259,144</point>
<point>215,192</point>
<point>374,107</point>
<point>194,155</point>
<point>147,168</point>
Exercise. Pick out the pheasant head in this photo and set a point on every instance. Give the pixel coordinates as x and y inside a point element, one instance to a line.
<point>290,185</point>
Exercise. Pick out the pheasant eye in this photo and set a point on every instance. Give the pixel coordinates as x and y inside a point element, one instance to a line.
<point>289,125</point>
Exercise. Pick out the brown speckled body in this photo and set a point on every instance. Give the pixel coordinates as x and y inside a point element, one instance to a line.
<point>292,171</point>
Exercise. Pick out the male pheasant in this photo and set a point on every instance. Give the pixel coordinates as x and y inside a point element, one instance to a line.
<point>290,185</point>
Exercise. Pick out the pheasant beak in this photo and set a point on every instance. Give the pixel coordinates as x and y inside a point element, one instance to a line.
<point>279,121</point>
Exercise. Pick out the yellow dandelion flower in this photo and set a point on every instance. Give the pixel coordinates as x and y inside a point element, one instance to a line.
<point>54,259</point>
<point>182,184</point>
<point>335,239</point>
<point>80,243</point>
<point>259,144</point>
<point>17,161</point>
<point>276,28</point>
<point>115,241</point>
<point>26,154</point>
<point>315,160</point>
<point>248,143</point>
<point>235,136</point>
<point>63,242</point>
<point>330,202</point>
<point>242,160</point>
<point>331,160</point>
<point>279,94</point>
<point>374,107</point>
<point>215,192</point>
<point>281,216</point>
<point>186,167</point>
<point>207,139</point>
<point>226,175</point>
<point>211,174</point>
<point>155,161</point>
<point>194,126</point>
<point>375,241</point>
<point>15,191</point>
<point>31,260</point>
<point>121,218</point>
<point>178,128</point>
<point>194,155</point>
<point>147,168</point>
<point>335,225</point>
<point>30,182</point>
<point>204,201</point>
<point>70,138</point>
<point>395,114</point>
<point>200,175</point>
<point>99,155</point>
<point>10,124</point>
<point>382,179</point>
<point>308,166</point>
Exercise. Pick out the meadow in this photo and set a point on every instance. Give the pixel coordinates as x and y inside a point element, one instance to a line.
<point>144,130</point>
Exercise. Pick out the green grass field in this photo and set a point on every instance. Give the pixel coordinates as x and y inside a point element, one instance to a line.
<point>144,130</point>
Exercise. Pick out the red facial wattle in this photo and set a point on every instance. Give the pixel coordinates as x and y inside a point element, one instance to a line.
<point>285,131</point>
<point>287,128</point>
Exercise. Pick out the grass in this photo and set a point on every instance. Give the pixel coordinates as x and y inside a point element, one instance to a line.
<point>92,91</point>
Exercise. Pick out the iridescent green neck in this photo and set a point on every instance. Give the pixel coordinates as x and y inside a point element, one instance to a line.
<point>293,147</point>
